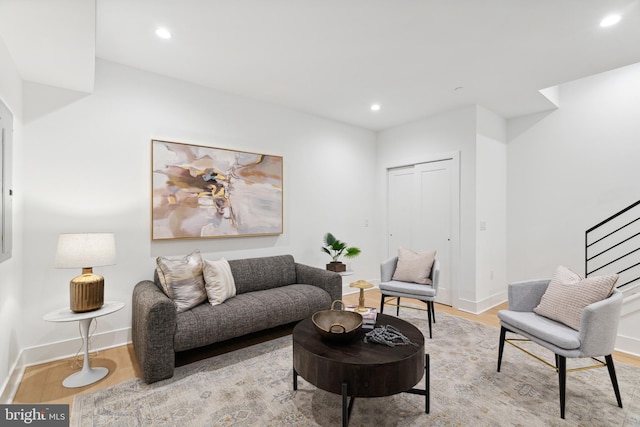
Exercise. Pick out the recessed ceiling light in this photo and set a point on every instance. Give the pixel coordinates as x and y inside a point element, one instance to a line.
<point>163,33</point>
<point>610,20</point>
<point>375,107</point>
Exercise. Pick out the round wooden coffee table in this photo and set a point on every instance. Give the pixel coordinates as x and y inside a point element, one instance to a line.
<point>359,369</point>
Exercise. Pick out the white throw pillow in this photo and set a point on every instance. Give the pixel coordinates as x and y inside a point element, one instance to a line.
<point>568,294</point>
<point>414,266</point>
<point>181,280</point>
<point>219,281</point>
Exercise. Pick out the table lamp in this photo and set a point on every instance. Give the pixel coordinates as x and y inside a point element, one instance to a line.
<point>86,250</point>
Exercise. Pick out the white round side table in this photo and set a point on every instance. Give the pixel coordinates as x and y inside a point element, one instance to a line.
<point>87,375</point>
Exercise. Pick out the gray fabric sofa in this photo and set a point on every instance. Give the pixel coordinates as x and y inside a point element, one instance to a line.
<point>270,292</point>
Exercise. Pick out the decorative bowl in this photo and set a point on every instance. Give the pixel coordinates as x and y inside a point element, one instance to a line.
<point>337,325</point>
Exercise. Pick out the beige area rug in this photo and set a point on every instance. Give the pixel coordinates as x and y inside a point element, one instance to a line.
<point>253,387</point>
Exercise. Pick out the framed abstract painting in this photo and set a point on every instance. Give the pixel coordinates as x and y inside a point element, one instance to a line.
<point>202,192</point>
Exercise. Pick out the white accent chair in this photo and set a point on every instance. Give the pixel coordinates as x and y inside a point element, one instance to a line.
<point>398,289</point>
<point>596,337</point>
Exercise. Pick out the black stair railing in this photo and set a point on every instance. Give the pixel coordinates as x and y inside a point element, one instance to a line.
<point>613,246</point>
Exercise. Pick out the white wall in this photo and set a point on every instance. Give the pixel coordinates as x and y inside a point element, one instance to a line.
<point>421,141</point>
<point>87,168</point>
<point>11,269</point>
<point>491,209</point>
<point>569,170</point>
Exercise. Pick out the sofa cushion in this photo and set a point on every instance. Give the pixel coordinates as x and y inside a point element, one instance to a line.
<point>247,313</point>
<point>568,294</point>
<point>257,274</point>
<point>414,266</point>
<point>181,280</point>
<point>218,281</point>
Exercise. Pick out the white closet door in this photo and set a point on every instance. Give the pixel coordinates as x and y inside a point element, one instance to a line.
<point>432,222</point>
<point>420,213</point>
<point>400,201</point>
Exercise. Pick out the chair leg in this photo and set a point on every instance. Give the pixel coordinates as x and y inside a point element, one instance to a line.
<point>398,307</point>
<point>382,303</point>
<point>433,311</point>
<point>614,379</point>
<point>562,380</point>
<point>429,315</point>
<point>503,333</point>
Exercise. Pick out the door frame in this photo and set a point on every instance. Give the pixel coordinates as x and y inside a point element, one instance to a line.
<point>454,156</point>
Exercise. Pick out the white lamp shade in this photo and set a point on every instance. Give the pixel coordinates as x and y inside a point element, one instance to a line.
<point>86,250</point>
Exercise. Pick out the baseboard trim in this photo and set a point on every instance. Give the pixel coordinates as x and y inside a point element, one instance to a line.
<point>69,348</point>
<point>628,345</point>
<point>10,386</point>
<point>478,307</point>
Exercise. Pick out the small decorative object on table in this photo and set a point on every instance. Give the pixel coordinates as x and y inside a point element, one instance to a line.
<point>389,336</point>
<point>337,248</point>
<point>369,316</point>
<point>337,325</point>
<point>362,285</point>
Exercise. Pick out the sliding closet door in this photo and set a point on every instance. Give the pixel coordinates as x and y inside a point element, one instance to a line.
<point>401,199</point>
<point>420,214</point>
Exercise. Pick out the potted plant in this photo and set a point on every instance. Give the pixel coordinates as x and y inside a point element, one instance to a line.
<point>337,248</point>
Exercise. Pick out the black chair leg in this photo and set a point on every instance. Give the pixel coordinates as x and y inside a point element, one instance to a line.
<point>433,311</point>
<point>381,303</point>
<point>614,379</point>
<point>503,333</point>
<point>429,313</point>
<point>562,379</point>
<point>398,307</point>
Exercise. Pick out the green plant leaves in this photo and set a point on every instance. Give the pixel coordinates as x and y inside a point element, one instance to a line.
<point>352,252</point>
<point>336,248</point>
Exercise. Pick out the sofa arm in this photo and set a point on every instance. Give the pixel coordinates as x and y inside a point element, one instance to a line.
<point>153,327</point>
<point>526,295</point>
<point>327,280</point>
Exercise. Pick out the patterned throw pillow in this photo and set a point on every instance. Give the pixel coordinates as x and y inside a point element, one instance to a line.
<point>181,280</point>
<point>568,294</point>
<point>218,280</point>
<point>414,266</point>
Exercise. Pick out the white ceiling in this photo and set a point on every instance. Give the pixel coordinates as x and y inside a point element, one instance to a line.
<point>52,42</point>
<point>333,58</point>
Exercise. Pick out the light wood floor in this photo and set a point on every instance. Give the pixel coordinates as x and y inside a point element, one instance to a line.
<point>43,383</point>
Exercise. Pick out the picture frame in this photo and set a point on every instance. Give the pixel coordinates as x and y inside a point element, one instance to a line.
<point>210,192</point>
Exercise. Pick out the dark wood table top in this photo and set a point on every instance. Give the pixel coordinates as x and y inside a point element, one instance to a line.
<point>369,369</point>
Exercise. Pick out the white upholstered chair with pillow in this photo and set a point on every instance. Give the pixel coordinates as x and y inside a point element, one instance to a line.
<point>571,316</point>
<point>411,275</point>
